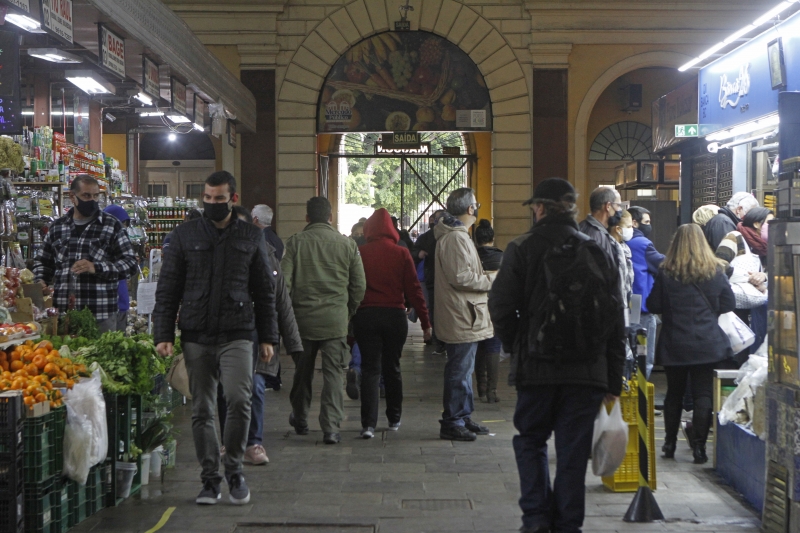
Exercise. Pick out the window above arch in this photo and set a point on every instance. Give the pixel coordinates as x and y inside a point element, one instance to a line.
<point>623,141</point>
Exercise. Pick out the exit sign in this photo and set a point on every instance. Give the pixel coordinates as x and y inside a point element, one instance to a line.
<point>686,130</point>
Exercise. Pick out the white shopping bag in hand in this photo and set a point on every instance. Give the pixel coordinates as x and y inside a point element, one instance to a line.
<point>609,441</point>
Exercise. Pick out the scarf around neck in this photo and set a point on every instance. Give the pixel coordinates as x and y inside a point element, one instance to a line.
<point>753,237</point>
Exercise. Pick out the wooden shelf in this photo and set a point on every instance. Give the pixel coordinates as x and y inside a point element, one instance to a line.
<point>38,183</point>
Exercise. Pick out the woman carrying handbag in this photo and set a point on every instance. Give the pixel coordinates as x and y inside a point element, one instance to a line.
<point>690,292</point>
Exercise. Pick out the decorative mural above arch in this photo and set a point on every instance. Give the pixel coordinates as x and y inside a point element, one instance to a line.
<point>400,81</point>
<point>623,141</point>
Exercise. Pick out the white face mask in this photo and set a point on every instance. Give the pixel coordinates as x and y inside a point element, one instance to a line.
<point>627,234</point>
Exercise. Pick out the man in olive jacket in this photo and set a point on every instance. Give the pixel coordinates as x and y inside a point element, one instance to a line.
<point>462,317</point>
<point>325,279</point>
<point>553,395</point>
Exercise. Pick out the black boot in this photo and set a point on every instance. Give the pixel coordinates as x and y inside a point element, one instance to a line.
<point>669,450</point>
<point>492,363</point>
<point>699,453</point>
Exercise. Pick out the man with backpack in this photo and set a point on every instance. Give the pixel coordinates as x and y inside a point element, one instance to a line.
<point>555,307</point>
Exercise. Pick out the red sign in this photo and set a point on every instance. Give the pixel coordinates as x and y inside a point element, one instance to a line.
<point>112,51</point>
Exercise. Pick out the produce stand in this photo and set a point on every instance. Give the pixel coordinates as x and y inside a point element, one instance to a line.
<point>124,425</point>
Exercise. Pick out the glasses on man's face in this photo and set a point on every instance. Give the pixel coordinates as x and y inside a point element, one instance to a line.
<point>476,205</point>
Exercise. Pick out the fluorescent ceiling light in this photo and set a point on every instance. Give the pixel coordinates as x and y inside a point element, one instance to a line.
<point>27,113</point>
<point>744,129</point>
<point>178,119</point>
<point>735,36</point>
<point>144,98</point>
<point>198,127</point>
<point>151,113</point>
<point>54,55</point>
<point>89,82</point>
<point>26,23</point>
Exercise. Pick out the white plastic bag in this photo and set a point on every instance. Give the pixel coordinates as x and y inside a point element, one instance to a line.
<point>609,441</point>
<point>86,433</point>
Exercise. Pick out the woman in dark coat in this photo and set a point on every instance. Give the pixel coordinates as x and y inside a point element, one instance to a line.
<point>487,357</point>
<point>690,292</point>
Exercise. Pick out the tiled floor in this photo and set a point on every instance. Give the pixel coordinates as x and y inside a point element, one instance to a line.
<point>408,481</point>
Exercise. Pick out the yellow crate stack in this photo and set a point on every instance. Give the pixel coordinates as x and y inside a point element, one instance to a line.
<point>626,478</point>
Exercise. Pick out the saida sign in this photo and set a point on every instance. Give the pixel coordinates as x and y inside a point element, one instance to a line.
<point>686,130</point>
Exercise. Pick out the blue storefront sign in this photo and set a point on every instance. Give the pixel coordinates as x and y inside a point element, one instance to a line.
<point>743,85</point>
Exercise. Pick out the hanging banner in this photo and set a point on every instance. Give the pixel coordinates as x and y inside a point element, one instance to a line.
<point>112,51</point>
<point>24,5</point>
<point>80,107</point>
<point>404,81</point>
<point>178,97</point>
<point>671,110</point>
<point>200,108</point>
<point>150,78</point>
<point>10,104</point>
<point>57,18</point>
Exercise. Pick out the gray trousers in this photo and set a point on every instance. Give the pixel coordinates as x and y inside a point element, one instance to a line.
<point>334,363</point>
<point>207,365</point>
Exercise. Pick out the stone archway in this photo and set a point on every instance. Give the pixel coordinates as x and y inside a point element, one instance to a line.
<point>298,95</point>
<point>580,142</point>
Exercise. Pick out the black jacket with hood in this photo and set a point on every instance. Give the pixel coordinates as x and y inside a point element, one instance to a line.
<point>720,225</point>
<point>515,297</point>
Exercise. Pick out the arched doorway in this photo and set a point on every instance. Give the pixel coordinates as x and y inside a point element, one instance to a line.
<point>504,158</point>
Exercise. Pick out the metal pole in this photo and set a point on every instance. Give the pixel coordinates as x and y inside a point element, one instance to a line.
<point>402,190</point>
<point>644,507</point>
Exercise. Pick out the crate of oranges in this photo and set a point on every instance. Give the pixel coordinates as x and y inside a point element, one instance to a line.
<point>39,372</point>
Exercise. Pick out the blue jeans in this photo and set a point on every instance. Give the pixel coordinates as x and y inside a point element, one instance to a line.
<point>458,401</point>
<point>569,411</point>
<point>355,357</point>
<point>256,433</point>
<point>649,322</point>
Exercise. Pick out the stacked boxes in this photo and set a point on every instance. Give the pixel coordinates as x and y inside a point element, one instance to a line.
<point>11,462</point>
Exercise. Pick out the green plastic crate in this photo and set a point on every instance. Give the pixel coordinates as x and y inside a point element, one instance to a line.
<point>38,453</point>
<point>39,507</point>
<point>62,506</point>
<point>59,415</point>
<point>77,503</point>
<point>95,494</point>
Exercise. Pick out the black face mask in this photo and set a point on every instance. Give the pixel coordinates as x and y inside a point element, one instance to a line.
<point>216,212</point>
<point>87,208</point>
<point>614,219</point>
<point>646,229</point>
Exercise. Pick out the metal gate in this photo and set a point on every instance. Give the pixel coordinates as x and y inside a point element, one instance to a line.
<point>423,178</point>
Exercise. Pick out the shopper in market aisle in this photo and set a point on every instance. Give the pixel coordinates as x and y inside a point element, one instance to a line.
<point>84,256</point>
<point>487,356</point>
<point>462,290</point>
<point>558,389</point>
<point>424,249</point>
<point>646,260</point>
<point>262,217</point>
<point>325,278</point>
<point>728,217</point>
<point>690,292</point>
<point>216,271</point>
<point>124,301</point>
<point>381,324</point>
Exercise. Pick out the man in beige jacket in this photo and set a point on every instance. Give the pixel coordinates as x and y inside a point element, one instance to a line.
<point>462,315</point>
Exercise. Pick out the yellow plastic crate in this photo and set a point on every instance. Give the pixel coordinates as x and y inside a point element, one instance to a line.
<point>626,478</point>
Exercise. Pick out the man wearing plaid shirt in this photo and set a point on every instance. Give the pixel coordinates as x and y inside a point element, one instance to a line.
<point>84,255</point>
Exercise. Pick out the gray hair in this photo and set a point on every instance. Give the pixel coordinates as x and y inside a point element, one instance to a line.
<point>263,213</point>
<point>460,200</point>
<point>745,200</point>
<point>601,196</point>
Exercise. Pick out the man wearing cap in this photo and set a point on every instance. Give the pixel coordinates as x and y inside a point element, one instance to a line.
<point>552,395</point>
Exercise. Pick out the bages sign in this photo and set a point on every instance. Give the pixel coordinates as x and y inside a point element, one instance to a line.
<point>112,51</point>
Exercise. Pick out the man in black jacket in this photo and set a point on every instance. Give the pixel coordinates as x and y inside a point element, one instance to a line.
<point>425,249</point>
<point>728,217</point>
<point>552,395</point>
<point>216,270</point>
<point>605,205</point>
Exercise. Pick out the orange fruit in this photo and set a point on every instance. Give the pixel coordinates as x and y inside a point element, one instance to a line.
<point>32,369</point>
<point>4,365</point>
<point>15,355</point>
<point>3,356</point>
<point>45,345</point>
<point>51,369</point>
<point>41,397</point>
<point>39,361</point>
<point>16,365</point>
<point>18,384</point>
<point>29,401</point>
<point>70,384</point>
<point>29,343</point>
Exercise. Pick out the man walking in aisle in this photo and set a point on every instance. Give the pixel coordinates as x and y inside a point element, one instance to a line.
<point>216,271</point>
<point>325,279</point>
<point>462,318</point>
<point>561,371</point>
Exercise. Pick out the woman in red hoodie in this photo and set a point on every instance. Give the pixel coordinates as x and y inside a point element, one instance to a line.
<point>381,325</point>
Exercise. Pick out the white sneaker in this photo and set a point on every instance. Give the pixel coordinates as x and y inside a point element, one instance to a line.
<point>367,433</point>
<point>395,426</point>
<point>256,455</point>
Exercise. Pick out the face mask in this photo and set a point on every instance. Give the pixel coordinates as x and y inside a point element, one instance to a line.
<point>627,234</point>
<point>645,229</point>
<point>87,208</point>
<point>765,232</point>
<point>216,212</point>
<point>614,219</point>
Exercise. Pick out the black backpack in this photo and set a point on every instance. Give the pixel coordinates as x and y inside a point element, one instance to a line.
<point>573,322</point>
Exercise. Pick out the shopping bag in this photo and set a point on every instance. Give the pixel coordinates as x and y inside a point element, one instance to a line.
<point>739,335</point>
<point>178,377</point>
<point>609,441</point>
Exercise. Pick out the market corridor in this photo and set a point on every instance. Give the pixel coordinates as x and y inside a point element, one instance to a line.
<point>409,481</point>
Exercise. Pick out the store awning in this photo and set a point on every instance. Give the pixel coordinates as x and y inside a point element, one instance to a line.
<point>158,29</point>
